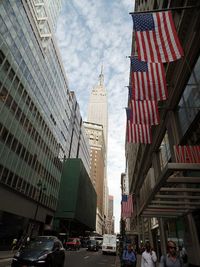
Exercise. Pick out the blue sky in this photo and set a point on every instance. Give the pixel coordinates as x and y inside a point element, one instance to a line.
<point>89,33</point>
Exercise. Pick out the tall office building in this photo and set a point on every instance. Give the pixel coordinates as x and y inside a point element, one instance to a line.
<point>35,119</point>
<point>110,220</point>
<point>98,107</point>
<point>97,169</point>
<point>79,141</point>
<point>98,114</point>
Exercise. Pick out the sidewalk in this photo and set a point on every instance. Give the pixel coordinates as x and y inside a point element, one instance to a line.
<point>7,254</point>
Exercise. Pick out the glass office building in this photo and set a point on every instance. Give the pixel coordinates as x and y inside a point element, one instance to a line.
<point>35,114</point>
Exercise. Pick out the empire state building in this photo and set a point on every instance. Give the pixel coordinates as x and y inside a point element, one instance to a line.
<point>97,109</point>
<point>97,131</point>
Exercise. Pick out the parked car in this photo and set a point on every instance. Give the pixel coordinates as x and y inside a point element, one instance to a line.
<point>73,243</point>
<point>44,251</point>
<point>93,245</point>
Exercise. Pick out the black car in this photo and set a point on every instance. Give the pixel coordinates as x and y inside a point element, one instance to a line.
<point>93,245</point>
<point>43,251</point>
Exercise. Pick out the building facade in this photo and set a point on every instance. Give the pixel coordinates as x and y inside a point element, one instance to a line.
<point>97,169</point>
<point>165,175</point>
<point>35,118</point>
<point>98,114</point>
<point>110,220</point>
<point>79,142</point>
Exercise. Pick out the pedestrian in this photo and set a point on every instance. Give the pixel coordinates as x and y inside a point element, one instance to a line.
<point>129,259</point>
<point>171,259</point>
<point>183,255</point>
<point>149,257</point>
<point>14,244</point>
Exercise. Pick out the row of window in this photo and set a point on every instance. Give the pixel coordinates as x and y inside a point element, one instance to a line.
<point>20,185</point>
<point>27,125</point>
<point>8,139</point>
<point>23,93</point>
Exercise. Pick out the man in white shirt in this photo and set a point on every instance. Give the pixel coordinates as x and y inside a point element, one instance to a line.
<point>149,257</point>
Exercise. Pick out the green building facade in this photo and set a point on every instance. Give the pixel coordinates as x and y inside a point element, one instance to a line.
<point>76,210</point>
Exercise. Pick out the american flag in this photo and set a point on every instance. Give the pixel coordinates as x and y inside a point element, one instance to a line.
<point>137,133</point>
<point>129,125</point>
<point>127,206</point>
<point>156,37</point>
<point>145,112</point>
<point>148,80</point>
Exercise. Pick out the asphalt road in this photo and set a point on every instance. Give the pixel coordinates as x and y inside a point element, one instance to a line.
<point>84,258</point>
<point>80,258</point>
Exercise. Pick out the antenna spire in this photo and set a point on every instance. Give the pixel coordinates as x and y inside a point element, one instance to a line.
<point>101,76</point>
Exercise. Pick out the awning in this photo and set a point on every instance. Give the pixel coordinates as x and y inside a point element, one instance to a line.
<point>176,192</point>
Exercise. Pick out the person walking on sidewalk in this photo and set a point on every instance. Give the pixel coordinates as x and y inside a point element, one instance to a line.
<point>129,259</point>
<point>149,257</point>
<point>171,259</point>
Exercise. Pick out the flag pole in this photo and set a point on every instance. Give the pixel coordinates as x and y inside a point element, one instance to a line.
<point>165,9</point>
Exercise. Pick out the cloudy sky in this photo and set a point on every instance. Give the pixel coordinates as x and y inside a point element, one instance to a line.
<point>89,33</point>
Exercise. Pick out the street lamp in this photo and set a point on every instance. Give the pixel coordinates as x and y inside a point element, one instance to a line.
<point>41,189</point>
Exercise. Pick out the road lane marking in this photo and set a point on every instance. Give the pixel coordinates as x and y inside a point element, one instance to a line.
<point>86,257</point>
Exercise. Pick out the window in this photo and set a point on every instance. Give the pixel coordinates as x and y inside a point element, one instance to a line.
<point>2,57</point>
<point>3,94</point>
<point>164,151</point>
<point>11,74</point>
<point>6,66</point>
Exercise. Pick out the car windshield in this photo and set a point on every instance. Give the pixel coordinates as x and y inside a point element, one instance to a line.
<point>40,245</point>
<point>92,242</point>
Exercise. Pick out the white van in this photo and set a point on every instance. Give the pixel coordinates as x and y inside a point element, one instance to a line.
<point>109,244</point>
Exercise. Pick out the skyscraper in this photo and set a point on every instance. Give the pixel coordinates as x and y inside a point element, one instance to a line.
<point>98,114</point>
<point>35,118</point>
<point>98,107</point>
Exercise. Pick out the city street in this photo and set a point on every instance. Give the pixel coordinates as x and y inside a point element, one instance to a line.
<point>84,258</point>
<point>80,258</point>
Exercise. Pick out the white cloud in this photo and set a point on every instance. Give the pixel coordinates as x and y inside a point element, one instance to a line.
<point>89,33</point>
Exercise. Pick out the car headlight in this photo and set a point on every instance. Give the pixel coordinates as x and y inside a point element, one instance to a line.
<point>43,257</point>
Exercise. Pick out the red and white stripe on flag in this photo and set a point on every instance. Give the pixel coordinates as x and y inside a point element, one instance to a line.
<point>160,44</point>
<point>151,84</point>
<point>141,133</point>
<point>127,207</point>
<point>145,112</point>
